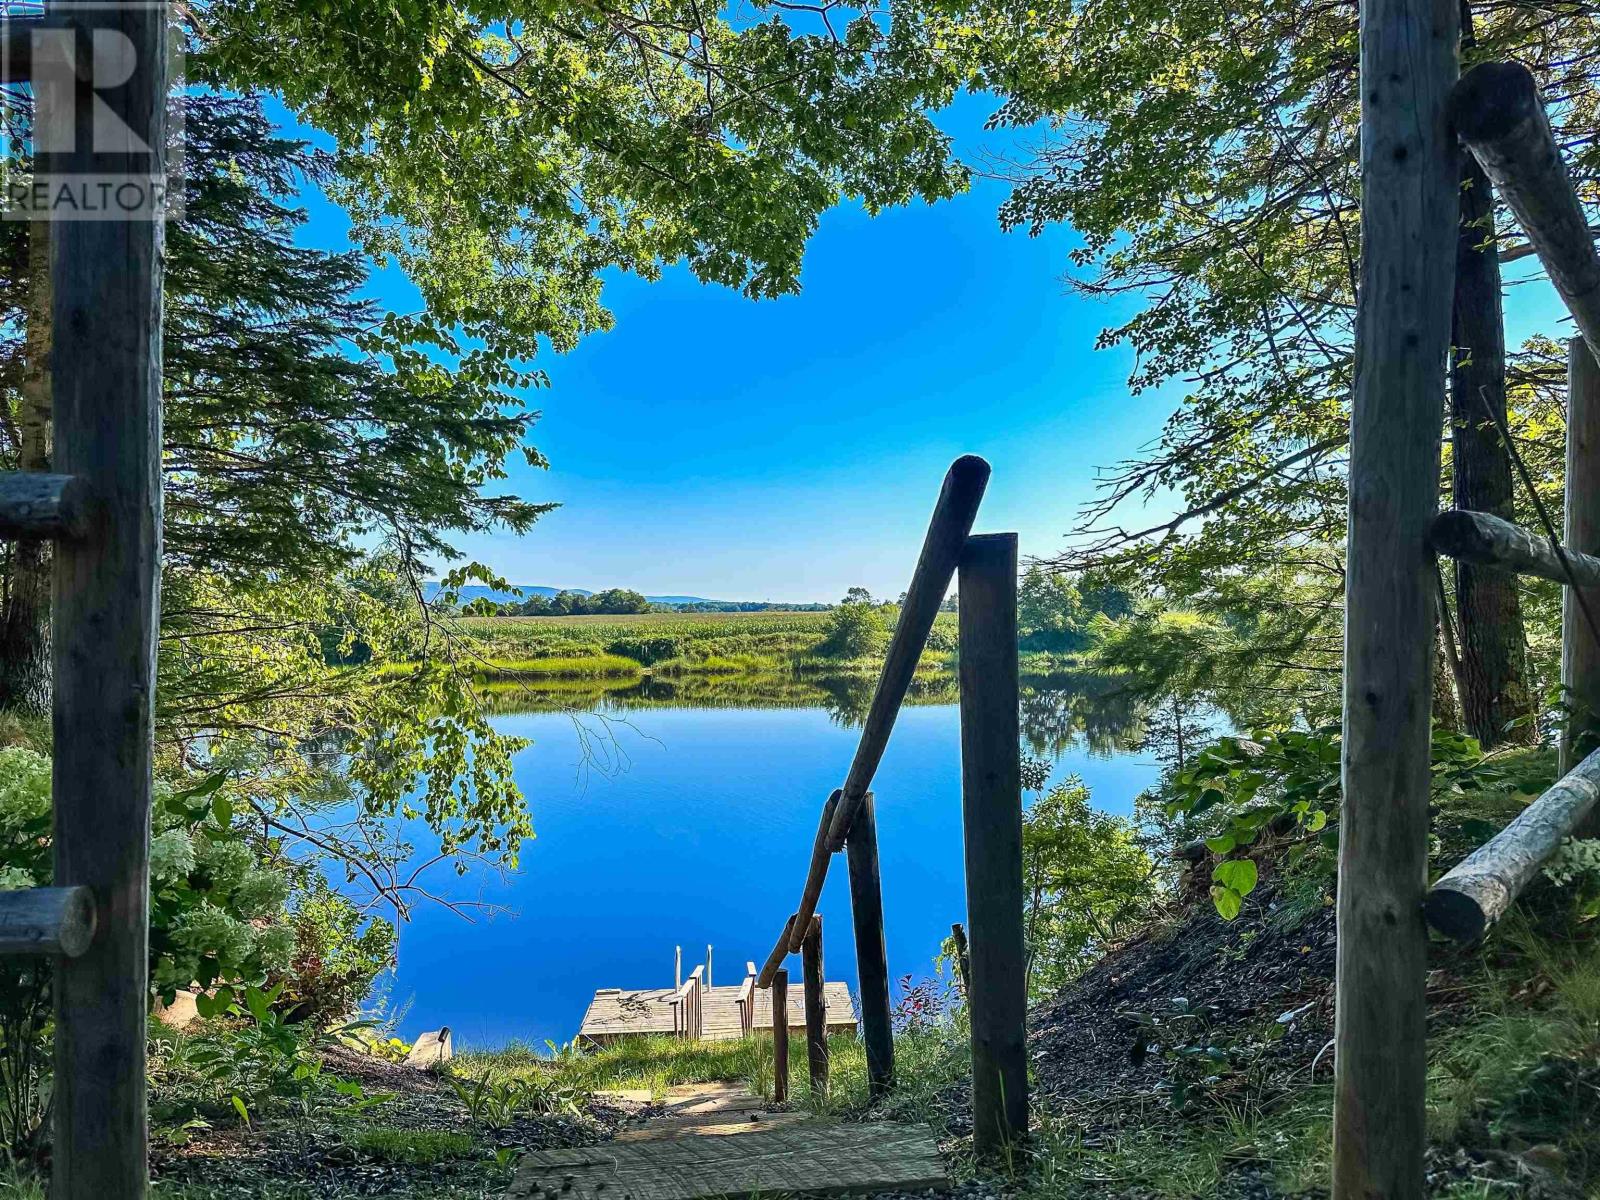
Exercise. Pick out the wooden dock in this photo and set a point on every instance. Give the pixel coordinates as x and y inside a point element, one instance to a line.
<point>617,1013</point>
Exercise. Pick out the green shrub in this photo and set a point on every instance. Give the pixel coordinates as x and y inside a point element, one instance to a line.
<point>855,630</point>
<point>338,953</point>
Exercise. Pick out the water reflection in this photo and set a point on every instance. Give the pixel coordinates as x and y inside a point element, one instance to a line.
<point>1059,713</point>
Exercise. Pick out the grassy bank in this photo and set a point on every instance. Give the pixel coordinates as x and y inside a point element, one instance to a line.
<point>669,645</point>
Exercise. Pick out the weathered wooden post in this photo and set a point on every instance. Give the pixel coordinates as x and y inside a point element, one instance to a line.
<point>107,410</point>
<point>816,1008</point>
<point>1409,177</point>
<point>872,957</point>
<point>780,1037</point>
<point>1580,653</point>
<point>991,804</point>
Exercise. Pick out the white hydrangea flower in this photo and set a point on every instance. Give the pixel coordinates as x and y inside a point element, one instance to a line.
<point>14,879</point>
<point>208,930</point>
<point>275,947</point>
<point>226,862</point>
<point>261,893</point>
<point>171,854</point>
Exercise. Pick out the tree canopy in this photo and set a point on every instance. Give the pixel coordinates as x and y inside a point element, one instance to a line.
<point>507,154</point>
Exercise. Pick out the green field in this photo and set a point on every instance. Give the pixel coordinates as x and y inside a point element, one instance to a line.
<point>667,644</point>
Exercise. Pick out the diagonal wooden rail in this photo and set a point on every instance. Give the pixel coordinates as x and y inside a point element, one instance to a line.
<point>991,802</point>
<point>952,520</point>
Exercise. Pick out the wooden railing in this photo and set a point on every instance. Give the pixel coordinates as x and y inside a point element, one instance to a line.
<point>688,1006</point>
<point>747,1001</point>
<point>1413,111</point>
<point>991,803</point>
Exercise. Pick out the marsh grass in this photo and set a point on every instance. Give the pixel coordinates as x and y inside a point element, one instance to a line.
<point>669,645</point>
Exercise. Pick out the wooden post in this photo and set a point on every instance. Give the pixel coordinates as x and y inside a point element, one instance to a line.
<point>872,957</point>
<point>816,1009</point>
<point>991,805</point>
<point>780,1037</point>
<point>958,935</point>
<point>677,968</point>
<point>708,966</point>
<point>107,407</point>
<point>1580,654</point>
<point>1409,178</point>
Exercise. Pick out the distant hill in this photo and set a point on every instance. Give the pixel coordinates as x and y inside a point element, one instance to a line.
<point>475,591</point>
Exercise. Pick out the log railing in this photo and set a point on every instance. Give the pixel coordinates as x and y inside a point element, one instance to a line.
<point>991,799</point>
<point>1497,112</point>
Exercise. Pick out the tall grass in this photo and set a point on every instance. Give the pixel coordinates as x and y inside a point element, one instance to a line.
<point>925,1063</point>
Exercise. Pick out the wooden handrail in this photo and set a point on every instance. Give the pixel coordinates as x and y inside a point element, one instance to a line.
<point>948,528</point>
<point>1496,110</point>
<point>1492,541</point>
<point>1477,891</point>
<point>951,522</point>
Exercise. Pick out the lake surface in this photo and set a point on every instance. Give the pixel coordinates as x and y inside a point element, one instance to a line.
<point>678,825</point>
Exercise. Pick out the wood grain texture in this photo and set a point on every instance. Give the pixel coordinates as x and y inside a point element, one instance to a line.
<point>780,951</point>
<point>816,1009</point>
<point>47,921</point>
<point>107,279</point>
<point>1478,891</point>
<point>1580,654</point>
<point>816,873</point>
<point>991,807</point>
<point>780,1037</point>
<point>1498,112</point>
<point>805,1158</point>
<point>1410,197</point>
<point>872,955</point>
<point>1483,538</point>
<point>38,505</point>
<point>953,514</point>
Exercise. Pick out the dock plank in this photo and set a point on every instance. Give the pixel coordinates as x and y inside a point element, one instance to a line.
<point>615,1013</point>
<point>807,1158</point>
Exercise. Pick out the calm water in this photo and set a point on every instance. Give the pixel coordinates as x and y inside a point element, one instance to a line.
<point>667,826</point>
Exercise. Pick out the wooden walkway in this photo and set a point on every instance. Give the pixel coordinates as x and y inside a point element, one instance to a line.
<point>718,1141</point>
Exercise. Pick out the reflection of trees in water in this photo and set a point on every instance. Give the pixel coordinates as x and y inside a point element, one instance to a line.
<point>1059,712</point>
<point>1062,712</point>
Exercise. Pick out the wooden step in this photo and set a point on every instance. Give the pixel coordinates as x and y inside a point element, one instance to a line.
<point>808,1158</point>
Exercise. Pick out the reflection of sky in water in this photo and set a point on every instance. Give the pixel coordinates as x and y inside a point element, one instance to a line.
<point>699,834</point>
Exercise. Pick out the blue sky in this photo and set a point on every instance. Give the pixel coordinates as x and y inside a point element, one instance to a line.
<point>789,449</point>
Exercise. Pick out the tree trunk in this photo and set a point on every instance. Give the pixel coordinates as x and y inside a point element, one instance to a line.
<point>1494,690</point>
<point>25,619</point>
<point>1446,710</point>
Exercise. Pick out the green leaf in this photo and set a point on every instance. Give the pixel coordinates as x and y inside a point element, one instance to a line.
<point>1222,844</point>
<point>1237,874</point>
<point>222,810</point>
<point>244,1113</point>
<point>1228,902</point>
